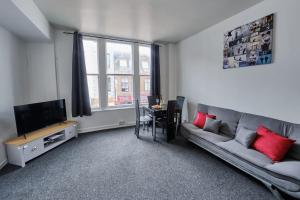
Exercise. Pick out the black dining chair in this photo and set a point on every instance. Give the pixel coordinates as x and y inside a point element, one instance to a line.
<point>168,123</point>
<point>145,120</point>
<point>179,106</point>
<point>152,100</point>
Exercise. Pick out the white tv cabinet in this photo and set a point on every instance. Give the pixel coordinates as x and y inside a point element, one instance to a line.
<point>20,150</point>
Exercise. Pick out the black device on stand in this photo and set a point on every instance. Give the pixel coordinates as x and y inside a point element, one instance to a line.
<point>35,116</point>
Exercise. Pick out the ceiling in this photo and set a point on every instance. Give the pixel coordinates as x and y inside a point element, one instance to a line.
<point>150,20</point>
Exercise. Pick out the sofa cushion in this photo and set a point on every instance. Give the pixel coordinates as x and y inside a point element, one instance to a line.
<point>200,119</point>
<point>272,144</point>
<point>208,136</point>
<point>212,125</point>
<point>245,136</point>
<point>241,151</point>
<point>293,132</point>
<point>229,118</point>
<point>287,168</point>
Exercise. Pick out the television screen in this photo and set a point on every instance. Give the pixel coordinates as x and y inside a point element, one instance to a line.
<point>38,115</point>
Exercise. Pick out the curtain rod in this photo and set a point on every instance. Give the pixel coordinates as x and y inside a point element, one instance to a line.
<point>113,38</point>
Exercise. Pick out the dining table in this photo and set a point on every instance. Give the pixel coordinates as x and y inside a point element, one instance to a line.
<point>155,112</point>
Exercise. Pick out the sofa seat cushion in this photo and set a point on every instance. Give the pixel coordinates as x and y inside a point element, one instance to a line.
<point>208,136</point>
<point>249,155</point>
<point>289,168</point>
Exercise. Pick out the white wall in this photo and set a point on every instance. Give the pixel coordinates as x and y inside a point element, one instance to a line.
<point>41,73</point>
<point>269,90</point>
<point>13,68</point>
<point>101,119</point>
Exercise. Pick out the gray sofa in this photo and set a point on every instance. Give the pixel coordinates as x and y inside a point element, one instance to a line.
<point>283,176</point>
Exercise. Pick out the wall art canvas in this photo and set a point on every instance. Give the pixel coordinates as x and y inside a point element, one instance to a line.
<point>250,44</point>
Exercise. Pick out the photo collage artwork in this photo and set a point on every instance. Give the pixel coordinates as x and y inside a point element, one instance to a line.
<point>250,44</point>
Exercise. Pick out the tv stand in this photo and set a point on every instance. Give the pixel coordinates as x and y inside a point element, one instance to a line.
<point>25,148</point>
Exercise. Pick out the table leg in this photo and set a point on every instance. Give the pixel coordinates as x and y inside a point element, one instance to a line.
<point>143,121</point>
<point>177,124</point>
<point>153,127</point>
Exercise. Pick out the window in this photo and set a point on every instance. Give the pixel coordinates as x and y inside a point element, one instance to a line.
<point>108,61</point>
<point>124,85</point>
<point>92,69</point>
<point>144,70</point>
<point>118,74</point>
<point>147,85</point>
<point>123,63</point>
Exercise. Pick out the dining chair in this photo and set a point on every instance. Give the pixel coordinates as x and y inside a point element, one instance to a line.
<point>168,123</point>
<point>179,106</point>
<point>140,119</point>
<point>152,100</point>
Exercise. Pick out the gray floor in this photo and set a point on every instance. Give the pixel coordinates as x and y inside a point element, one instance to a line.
<point>116,165</point>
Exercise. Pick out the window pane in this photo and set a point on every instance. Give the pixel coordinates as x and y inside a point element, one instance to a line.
<point>144,89</point>
<point>91,56</point>
<point>144,60</point>
<point>118,58</point>
<point>93,84</point>
<point>120,90</point>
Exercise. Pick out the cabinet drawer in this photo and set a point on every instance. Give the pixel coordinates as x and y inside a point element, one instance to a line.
<point>70,132</point>
<point>33,149</point>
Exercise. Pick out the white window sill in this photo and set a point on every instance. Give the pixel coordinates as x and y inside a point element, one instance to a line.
<point>112,109</point>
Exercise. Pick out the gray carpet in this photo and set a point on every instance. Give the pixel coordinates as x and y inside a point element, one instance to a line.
<point>116,165</point>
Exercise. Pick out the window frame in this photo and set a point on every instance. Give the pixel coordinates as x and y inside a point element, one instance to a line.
<point>95,74</point>
<point>103,76</point>
<point>143,75</point>
<point>147,85</point>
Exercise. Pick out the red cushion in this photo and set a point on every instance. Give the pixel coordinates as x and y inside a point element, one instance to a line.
<point>201,119</point>
<point>272,144</point>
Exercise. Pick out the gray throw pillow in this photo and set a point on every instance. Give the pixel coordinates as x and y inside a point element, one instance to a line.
<point>212,125</point>
<point>245,136</point>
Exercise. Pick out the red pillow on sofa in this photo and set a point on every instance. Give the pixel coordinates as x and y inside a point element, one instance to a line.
<point>272,144</point>
<point>201,118</point>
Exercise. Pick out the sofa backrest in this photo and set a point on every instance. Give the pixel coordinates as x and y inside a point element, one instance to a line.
<point>293,132</point>
<point>252,122</point>
<point>230,118</point>
<point>234,120</point>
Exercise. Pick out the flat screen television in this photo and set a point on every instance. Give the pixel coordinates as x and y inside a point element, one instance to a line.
<point>34,116</point>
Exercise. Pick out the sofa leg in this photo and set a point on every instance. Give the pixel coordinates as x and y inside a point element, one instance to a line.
<point>274,191</point>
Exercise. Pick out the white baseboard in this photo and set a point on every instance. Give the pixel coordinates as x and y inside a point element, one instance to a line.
<point>105,127</point>
<point>3,163</point>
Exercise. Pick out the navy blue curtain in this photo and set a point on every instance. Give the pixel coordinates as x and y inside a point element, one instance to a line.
<point>155,71</point>
<point>80,93</point>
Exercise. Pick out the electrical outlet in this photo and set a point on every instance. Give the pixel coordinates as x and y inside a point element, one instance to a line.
<point>122,122</point>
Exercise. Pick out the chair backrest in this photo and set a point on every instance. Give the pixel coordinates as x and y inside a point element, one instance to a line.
<point>137,110</point>
<point>180,101</point>
<point>152,101</point>
<point>171,109</point>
